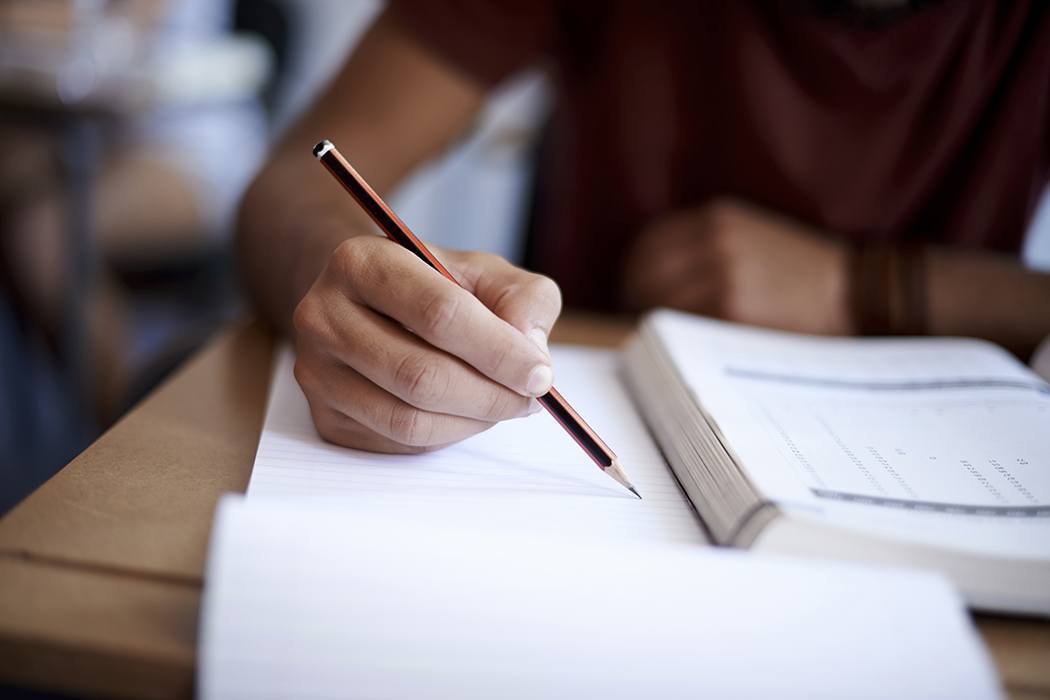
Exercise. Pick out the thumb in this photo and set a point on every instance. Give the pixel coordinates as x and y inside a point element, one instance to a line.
<point>527,301</point>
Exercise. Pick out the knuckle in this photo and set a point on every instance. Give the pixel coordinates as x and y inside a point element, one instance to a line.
<point>546,288</point>
<point>498,405</point>
<point>409,426</point>
<point>419,381</point>
<point>305,319</point>
<point>329,433</point>
<point>306,378</point>
<point>499,357</point>
<point>438,313</point>
<point>351,257</point>
<point>327,426</point>
<point>481,259</point>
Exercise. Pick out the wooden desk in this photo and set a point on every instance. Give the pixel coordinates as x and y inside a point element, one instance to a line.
<point>101,569</point>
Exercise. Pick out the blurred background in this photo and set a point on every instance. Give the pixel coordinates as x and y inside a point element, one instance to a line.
<point>129,130</point>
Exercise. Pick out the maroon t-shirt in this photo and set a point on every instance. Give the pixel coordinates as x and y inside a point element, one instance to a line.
<point>930,123</point>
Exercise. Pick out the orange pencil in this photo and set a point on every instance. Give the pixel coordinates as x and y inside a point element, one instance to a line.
<point>397,231</point>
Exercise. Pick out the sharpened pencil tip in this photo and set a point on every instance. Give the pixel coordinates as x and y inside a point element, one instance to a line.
<point>322,147</point>
<point>616,472</point>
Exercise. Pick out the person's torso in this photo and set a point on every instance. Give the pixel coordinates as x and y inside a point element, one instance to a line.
<point>931,125</point>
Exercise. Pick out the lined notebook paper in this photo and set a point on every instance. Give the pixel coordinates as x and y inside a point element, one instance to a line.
<point>522,473</point>
<point>509,566</point>
<point>325,601</point>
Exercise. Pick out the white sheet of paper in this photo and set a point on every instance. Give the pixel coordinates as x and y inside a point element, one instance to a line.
<point>509,566</point>
<point>321,600</point>
<point>526,472</point>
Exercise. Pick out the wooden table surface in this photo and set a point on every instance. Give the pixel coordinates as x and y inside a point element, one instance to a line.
<point>101,568</point>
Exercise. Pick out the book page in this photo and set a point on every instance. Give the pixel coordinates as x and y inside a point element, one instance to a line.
<point>325,601</point>
<point>521,471</point>
<point>874,431</point>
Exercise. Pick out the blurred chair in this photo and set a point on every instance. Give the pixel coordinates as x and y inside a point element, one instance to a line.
<point>138,112</point>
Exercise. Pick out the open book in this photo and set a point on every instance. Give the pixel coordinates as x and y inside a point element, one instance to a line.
<point>924,452</point>
<point>509,566</point>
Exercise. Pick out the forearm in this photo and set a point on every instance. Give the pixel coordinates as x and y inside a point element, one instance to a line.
<point>290,222</point>
<point>988,296</point>
<point>391,108</point>
<point>294,215</point>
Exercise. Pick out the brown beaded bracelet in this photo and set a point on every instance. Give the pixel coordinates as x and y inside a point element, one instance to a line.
<point>888,289</point>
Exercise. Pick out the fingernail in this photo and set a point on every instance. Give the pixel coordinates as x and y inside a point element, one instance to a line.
<point>540,379</point>
<point>537,336</point>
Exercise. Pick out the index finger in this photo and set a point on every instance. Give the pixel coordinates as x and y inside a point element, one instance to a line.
<point>528,301</point>
<point>396,283</point>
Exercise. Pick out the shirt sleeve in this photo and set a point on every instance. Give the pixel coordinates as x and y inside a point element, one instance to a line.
<point>486,40</point>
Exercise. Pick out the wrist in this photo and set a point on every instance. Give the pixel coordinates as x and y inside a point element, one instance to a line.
<point>887,289</point>
<point>837,289</point>
<point>323,234</point>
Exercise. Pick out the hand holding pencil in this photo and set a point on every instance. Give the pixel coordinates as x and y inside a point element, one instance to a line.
<point>395,358</point>
<point>373,384</point>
